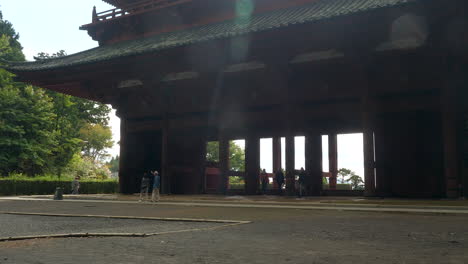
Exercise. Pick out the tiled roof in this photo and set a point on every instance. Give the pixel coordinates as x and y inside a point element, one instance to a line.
<point>320,10</point>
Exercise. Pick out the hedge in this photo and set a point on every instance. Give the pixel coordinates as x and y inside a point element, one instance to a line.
<point>38,187</point>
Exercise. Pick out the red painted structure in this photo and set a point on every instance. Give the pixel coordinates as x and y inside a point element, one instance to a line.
<point>182,73</point>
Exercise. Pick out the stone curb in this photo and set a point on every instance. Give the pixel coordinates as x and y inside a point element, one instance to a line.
<point>339,207</point>
<point>228,223</point>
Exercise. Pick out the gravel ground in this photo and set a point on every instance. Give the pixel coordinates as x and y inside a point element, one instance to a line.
<point>26,225</point>
<point>275,236</point>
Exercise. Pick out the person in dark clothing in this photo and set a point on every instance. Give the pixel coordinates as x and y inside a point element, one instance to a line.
<point>301,181</point>
<point>279,177</point>
<point>145,185</point>
<point>264,180</point>
<point>76,185</point>
<point>156,186</point>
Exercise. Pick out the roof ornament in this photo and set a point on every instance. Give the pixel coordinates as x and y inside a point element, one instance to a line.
<point>95,17</point>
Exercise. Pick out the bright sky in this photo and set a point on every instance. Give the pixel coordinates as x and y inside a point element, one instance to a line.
<point>53,25</point>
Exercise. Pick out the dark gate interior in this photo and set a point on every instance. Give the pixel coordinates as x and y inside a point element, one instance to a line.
<point>409,155</point>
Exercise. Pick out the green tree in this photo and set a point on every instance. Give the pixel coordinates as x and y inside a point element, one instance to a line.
<point>5,49</point>
<point>72,114</point>
<point>113,164</point>
<point>40,129</point>
<point>79,111</point>
<point>46,56</point>
<point>212,151</point>
<point>356,182</point>
<point>236,155</point>
<point>87,168</point>
<point>26,130</point>
<point>345,173</point>
<point>16,50</point>
<point>96,139</point>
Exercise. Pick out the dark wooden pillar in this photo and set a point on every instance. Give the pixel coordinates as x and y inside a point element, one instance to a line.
<point>276,154</point>
<point>252,164</point>
<point>165,173</point>
<point>369,155</point>
<point>333,159</point>
<point>313,162</point>
<point>450,138</point>
<point>202,168</point>
<point>125,185</point>
<point>290,160</point>
<point>368,126</point>
<point>223,163</point>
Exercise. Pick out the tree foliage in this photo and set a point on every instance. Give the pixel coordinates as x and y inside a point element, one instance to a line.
<point>212,151</point>
<point>16,52</point>
<point>343,172</point>
<point>26,129</point>
<point>355,180</point>
<point>236,155</point>
<point>73,116</point>
<point>42,130</point>
<point>113,164</point>
<point>96,139</point>
<point>26,134</point>
<point>46,56</point>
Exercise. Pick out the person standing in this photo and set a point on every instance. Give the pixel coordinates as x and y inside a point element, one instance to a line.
<point>76,185</point>
<point>301,181</point>
<point>145,184</point>
<point>156,186</point>
<point>279,177</point>
<point>264,181</point>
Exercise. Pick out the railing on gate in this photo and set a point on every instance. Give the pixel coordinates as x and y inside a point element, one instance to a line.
<point>135,8</point>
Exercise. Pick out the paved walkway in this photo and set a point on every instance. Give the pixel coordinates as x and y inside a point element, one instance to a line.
<point>275,202</point>
<point>275,234</point>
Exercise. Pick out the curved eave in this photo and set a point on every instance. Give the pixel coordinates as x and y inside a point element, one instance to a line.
<point>119,3</point>
<point>321,10</point>
<point>73,88</point>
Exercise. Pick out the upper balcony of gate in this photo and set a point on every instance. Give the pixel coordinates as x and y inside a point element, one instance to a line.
<point>132,19</point>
